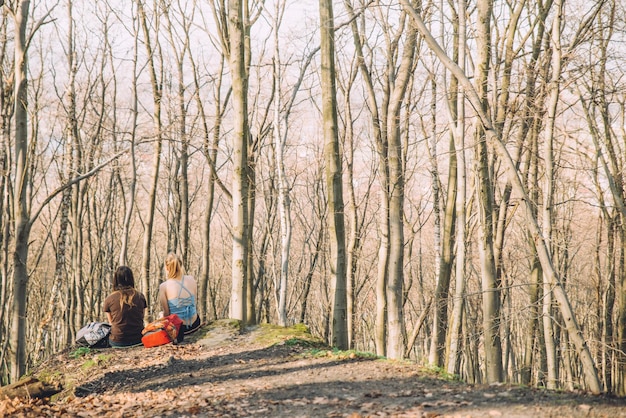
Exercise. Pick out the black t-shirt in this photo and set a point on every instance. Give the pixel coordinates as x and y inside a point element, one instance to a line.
<point>126,321</point>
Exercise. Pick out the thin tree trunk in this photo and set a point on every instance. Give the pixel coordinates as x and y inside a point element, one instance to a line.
<point>485,201</point>
<point>530,130</point>
<point>72,133</point>
<point>284,200</point>
<point>456,320</point>
<point>182,180</point>
<point>352,216</point>
<point>332,157</point>
<point>130,203</point>
<point>158,146</point>
<point>380,135</point>
<point>6,112</point>
<point>209,146</point>
<point>548,191</point>
<point>395,285</point>
<point>17,339</point>
<point>444,267</point>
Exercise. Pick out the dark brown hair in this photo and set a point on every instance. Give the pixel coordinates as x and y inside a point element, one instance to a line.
<point>124,282</point>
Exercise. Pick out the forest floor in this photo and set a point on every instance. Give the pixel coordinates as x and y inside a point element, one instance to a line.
<point>222,371</point>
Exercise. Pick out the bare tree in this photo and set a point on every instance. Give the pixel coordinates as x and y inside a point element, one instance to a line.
<point>157,94</point>
<point>458,117</point>
<point>332,159</point>
<point>21,192</point>
<point>240,159</point>
<point>179,178</point>
<point>385,116</point>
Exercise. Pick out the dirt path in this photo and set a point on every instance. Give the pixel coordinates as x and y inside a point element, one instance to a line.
<point>230,374</point>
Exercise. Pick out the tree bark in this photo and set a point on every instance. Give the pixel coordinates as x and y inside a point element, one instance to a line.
<point>17,339</point>
<point>240,160</point>
<point>157,93</point>
<point>548,191</point>
<point>332,159</point>
<point>29,387</point>
<point>456,320</point>
<point>395,160</point>
<point>485,200</point>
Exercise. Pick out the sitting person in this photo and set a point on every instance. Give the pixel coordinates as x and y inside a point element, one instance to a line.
<point>177,295</point>
<point>125,309</point>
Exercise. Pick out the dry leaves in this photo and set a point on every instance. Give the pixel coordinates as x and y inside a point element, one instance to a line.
<point>237,379</point>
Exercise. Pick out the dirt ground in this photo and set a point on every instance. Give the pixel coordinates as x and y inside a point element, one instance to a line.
<point>222,372</point>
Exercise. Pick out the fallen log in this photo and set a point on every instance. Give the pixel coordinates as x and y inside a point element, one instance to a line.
<point>29,387</point>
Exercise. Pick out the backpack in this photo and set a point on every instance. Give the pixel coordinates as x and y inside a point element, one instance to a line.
<point>94,335</point>
<point>162,331</point>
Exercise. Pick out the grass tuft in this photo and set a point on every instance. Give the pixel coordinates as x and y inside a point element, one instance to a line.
<point>341,354</point>
<point>294,335</point>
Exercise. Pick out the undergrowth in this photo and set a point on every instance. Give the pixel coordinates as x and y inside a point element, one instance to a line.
<point>341,354</point>
<point>295,335</point>
<point>442,373</point>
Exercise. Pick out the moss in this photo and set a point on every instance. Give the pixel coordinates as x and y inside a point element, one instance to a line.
<point>80,352</point>
<point>50,376</point>
<point>98,360</point>
<point>234,324</point>
<point>441,373</point>
<point>342,354</point>
<point>298,334</point>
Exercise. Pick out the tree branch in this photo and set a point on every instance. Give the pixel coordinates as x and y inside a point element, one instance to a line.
<point>71,183</point>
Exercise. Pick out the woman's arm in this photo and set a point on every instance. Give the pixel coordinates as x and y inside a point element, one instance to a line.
<point>163,300</point>
<point>109,317</point>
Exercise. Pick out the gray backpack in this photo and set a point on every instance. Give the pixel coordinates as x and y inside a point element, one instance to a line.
<point>94,335</point>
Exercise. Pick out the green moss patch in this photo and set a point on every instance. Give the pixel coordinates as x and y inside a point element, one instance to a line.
<point>98,360</point>
<point>341,354</point>
<point>295,335</point>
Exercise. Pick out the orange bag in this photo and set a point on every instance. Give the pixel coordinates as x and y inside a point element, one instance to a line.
<point>162,331</point>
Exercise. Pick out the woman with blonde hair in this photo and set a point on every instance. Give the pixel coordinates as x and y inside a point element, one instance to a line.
<point>178,294</point>
<point>125,309</point>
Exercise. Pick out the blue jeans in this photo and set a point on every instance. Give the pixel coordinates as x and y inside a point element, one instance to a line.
<point>188,329</point>
<point>118,344</point>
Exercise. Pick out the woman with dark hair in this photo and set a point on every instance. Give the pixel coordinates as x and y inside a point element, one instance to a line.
<point>125,309</point>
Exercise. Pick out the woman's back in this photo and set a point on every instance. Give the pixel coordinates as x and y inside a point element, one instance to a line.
<point>181,297</point>
<point>178,294</point>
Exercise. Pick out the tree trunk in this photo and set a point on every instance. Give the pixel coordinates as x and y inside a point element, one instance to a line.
<point>332,157</point>
<point>17,339</point>
<point>456,319</point>
<point>240,161</point>
<point>395,160</point>
<point>548,191</point>
<point>284,201</point>
<point>72,134</point>
<point>157,93</point>
<point>444,268</point>
<point>130,202</point>
<point>485,200</point>
<point>380,137</point>
<point>28,388</point>
<point>181,231</point>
